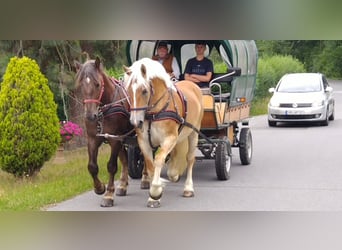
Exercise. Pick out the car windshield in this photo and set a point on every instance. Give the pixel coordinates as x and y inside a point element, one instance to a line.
<point>299,83</point>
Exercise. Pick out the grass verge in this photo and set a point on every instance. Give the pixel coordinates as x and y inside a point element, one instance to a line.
<point>259,106</point>
<point>54,183</point>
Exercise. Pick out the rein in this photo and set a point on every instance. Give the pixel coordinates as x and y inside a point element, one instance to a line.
<point>98,100</point>
<point>116,137</point>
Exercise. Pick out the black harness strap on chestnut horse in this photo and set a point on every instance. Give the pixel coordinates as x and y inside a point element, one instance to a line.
<point>114,108</point>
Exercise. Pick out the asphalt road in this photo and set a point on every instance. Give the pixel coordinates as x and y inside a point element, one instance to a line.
<point>294,168</point>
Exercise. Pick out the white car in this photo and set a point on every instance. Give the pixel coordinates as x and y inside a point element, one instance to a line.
<point>300,97</point>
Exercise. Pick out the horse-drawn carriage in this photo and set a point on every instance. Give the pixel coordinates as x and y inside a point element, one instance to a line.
<point>227,101</point>
<point>149,120</point>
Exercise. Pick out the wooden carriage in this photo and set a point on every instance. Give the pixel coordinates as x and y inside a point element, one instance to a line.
<point>227,101</point>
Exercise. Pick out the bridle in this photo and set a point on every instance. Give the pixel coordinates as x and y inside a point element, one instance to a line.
<point>98,100</point>
<point>151,106</point>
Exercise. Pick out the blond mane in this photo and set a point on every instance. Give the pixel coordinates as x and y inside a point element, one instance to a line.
<point>153,70</point>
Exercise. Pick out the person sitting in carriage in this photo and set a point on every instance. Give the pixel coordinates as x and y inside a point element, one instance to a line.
<point>199,69</point>
<point>167,60</point>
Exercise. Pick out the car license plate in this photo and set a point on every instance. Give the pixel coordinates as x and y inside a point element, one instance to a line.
<point>294,112</point>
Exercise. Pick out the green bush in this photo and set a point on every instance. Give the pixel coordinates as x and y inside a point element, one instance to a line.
<point>329,60</point>
<point>29,126</point>
<point>271,69</point>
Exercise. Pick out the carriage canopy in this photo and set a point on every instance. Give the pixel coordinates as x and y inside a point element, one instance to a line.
<point>226,55</point>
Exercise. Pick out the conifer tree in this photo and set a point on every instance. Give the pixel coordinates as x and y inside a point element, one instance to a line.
<point>29,126</point>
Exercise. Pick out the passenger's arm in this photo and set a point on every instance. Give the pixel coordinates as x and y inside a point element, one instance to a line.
<point>190,77</point>
<point>202,78</point>
<point>175,68</point>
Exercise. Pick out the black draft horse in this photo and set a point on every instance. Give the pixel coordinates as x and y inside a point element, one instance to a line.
<point>106,110</point>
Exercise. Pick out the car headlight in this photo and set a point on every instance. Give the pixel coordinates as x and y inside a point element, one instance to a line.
<point>318,103</point>
<point>274,103</point>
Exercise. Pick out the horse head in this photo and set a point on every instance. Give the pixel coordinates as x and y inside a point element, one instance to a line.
<point>90,81</point>
<point>145,81</point>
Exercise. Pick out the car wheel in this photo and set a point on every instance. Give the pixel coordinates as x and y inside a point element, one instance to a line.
<point>332,116</point>
<point>326,120</point>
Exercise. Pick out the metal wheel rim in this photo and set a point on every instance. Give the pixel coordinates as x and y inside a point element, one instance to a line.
<point>228,162</point>
<point>249,147</point>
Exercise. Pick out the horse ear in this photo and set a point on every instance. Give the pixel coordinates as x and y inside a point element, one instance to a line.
<point>97,62</point>
<point>127,70</point>
<point>143,70</point>
<point>78,65</point>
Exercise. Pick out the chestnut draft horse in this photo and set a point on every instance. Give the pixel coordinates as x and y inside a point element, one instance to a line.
<point>106,111</point>
<point>166,116</point>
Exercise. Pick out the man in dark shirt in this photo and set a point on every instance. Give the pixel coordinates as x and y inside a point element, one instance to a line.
<point>199,69</point>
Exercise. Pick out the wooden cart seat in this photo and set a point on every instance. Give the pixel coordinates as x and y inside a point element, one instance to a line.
<point>214,112</point>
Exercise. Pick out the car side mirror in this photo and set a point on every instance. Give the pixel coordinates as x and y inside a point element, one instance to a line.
<point>328,89</point>
<point>271,90</point>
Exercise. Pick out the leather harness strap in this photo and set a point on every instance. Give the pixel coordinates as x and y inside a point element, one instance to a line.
<point>164,114</point>
<point>117,107</point>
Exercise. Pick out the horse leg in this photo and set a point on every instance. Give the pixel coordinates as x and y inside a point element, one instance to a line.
<point>145,179</point>
<point>99,187</point>
<point>156,189</point>
<point>189,187</point>
<point>155,201</point>
<point>148,169</point>
<point>122,187</point>
<point>177,163</point>
<point>112,167</point>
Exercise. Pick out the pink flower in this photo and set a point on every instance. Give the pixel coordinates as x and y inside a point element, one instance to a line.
<point>69,129</point>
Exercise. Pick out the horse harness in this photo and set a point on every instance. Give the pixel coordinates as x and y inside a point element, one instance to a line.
<point>165,114</point>
<point>117,107</point>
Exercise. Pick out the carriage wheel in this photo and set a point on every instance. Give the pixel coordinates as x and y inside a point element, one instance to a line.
<point>135,162</point>
<point>223,159</point>
<point>245,146</point>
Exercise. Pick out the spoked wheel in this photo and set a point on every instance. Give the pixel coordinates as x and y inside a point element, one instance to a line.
<point>245,146</point>
<point>223,159</point>
<point>135,162</point>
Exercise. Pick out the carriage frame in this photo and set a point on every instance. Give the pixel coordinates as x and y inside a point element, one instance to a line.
<point>227,101</point>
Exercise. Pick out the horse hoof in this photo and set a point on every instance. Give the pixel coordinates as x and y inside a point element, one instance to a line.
<point>107,202</point>
<point>153,203</point>
<point>121,192</point>
<point>188,194</point>
<point>156,197</point>
<point>100,191</point>
<point>144,185</point>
